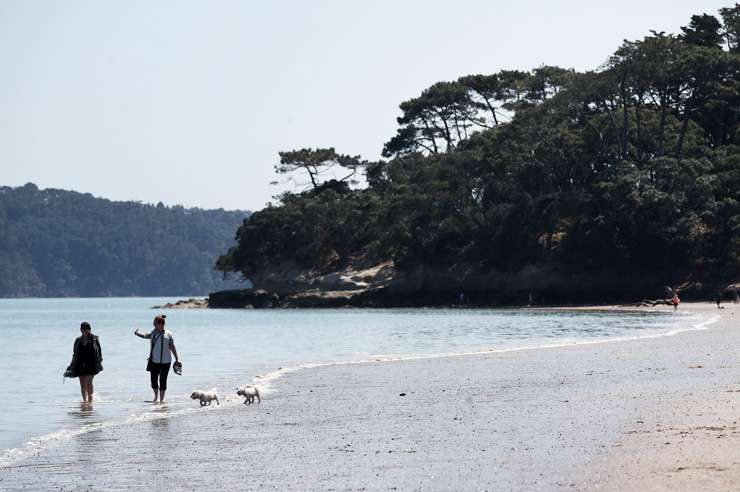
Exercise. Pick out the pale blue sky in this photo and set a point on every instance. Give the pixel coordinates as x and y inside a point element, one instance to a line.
<point>189,102</point>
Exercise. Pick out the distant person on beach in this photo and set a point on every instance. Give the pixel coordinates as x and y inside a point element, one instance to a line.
<point>675,301</point>
<point>162,344</point>
<point>87,360</point>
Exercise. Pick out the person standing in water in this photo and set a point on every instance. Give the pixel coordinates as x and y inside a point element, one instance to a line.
<point>87,359</point>
<point>162,344</point>
<point>675,301</point>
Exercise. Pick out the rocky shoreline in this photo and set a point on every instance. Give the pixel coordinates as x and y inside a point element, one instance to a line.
<point>383,285</point>
<point>192,303</point>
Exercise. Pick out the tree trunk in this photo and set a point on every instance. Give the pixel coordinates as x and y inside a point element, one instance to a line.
<point>447,135</point>
<point>492,109</point>
<point>661,130</point>
<point>457,128</point>
<point>613,121</point>
<point>434,140</point>
<point>639,129</point>
<point>661,125</point>
<point>681,136</point>
<point>311,175</point>
<point>625,121</point>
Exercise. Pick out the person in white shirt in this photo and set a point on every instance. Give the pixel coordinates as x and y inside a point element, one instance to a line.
<point>162,344</point>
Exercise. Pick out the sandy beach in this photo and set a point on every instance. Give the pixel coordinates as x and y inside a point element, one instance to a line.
<point>649,414</point>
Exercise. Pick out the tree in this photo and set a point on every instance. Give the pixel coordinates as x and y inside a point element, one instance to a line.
<point>486,93</point>
<point>318,163</point>
<point>433,122</point>
<point>731,27</point>
<point>703,30</point>
<point>624,176</point>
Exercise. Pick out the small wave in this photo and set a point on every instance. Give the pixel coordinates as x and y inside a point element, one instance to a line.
<point>272,376</point>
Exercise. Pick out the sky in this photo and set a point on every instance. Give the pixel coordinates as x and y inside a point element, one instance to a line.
<point>189,102</point>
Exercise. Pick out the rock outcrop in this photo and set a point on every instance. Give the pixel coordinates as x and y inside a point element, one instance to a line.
<point>192,303</point>
<point>243,299</point>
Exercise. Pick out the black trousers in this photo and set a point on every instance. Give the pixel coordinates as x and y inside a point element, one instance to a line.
<point>159,373</point>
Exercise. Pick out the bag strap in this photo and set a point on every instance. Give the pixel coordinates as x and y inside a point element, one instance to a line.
<point>151,351</point>
<point>161,347</point>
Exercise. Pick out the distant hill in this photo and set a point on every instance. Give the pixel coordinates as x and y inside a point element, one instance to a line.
<point>57,243</point>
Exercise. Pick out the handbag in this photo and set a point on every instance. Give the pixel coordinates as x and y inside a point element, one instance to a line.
<point>98,353</point>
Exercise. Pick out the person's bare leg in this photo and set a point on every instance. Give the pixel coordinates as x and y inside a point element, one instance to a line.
<point>90,390</point>
<point>154,375</point>
<point>83,389</point>
<point>161,396</point>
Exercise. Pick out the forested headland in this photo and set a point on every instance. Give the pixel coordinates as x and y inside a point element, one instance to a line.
<point>548,184</point>
<point>57,243</point>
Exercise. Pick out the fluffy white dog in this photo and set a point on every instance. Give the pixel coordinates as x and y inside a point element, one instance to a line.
<point>249,393</point>
<point>205,397</point>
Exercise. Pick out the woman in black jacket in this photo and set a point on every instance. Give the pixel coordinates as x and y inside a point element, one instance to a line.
<point>87,360</point>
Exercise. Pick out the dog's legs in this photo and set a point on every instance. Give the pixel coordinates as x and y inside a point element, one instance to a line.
<point>217,402</point>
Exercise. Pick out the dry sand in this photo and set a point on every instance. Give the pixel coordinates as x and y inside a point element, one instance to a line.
<point>650,414</point>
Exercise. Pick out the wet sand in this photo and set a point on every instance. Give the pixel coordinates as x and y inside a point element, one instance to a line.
<point>651,414</point>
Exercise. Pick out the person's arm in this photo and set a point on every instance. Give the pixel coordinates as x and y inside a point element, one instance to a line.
<point>100,350</point>
<point>142,335</point>
<point>174,349</point>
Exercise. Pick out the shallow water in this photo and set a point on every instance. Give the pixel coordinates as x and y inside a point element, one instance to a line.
<point>225,348</point>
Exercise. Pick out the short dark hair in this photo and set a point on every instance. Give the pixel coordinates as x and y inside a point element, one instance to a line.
<point>160,319</point>
<point>85,326</point>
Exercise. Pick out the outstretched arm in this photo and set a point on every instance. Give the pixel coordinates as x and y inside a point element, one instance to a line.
<point>142,335</point>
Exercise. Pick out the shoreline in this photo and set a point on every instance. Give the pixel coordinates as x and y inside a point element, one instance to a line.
<point>265,380</point>
<point>292,381</point>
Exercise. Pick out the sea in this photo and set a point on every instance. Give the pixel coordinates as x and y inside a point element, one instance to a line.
<point>223,349</point>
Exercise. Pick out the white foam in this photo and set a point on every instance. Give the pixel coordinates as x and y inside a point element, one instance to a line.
<point>274,375</point>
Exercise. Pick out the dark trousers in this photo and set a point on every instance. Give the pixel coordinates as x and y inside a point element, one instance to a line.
<point>160,372</point>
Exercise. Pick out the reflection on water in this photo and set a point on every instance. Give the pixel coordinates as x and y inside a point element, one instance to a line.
<point>161,408</point>
<point>160,424</point>
<point>83,411</point>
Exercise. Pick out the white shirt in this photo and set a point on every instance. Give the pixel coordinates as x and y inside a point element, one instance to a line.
<point>160,354</point>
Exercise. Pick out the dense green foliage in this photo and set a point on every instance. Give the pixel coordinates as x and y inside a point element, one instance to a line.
<point>630,168</point>
<point>62,243</point>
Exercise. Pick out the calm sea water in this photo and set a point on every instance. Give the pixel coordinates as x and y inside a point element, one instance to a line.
<point>226,348</point>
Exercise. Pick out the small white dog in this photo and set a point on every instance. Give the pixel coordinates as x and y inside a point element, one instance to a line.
<point>249,393</point>
<point>205,397</point>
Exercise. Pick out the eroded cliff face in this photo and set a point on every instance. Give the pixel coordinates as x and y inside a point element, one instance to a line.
<point>310,288</point>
